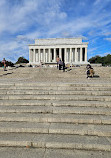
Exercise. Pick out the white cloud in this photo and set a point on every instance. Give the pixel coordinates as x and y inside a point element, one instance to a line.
<point>2,2</point>
<point>108,39</point>
<point>75,27</point>
<point>104,54</point>
<point>26,20</point>
<point>13,49</point>
<point>97,2</point>
<point>66,34</point>
<point>107,33</point>
<point>92,49</point>
<point>82,4</point>
<point>107,53</point>
<point>50,16</point>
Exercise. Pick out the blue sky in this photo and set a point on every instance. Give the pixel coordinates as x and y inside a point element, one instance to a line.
<point>22,21</point>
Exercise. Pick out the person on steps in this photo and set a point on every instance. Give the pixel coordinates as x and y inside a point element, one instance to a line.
<point>4,64</point>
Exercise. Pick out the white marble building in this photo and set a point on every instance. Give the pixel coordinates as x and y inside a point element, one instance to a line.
<point>71,50</point>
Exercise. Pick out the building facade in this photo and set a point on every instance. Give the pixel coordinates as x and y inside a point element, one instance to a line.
<point>71,50</point>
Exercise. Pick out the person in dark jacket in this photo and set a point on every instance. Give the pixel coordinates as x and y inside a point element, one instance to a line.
<point>60,64</point>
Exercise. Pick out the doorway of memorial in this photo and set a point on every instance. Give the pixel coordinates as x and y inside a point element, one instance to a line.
<point>62,54</point>
<point>57,52</point>
<point>83,54</point>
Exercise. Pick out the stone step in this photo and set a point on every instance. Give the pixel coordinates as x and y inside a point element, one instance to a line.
<point>56,103</point>
<point>56,110</point>
<point>82,110</point>
<point>26,109</point>
<point>23,102</point>
<point>64,84</point>
<point>55,141</point>
<point>74,115</point>
<point>7,152</point>
<point>85,83</point>
<point>56,97</point>
<point>60,84</point>
<point>56,118</point>
<point>81,103</point>
<point>65,88</point>
<point>55,128</point>
<point>55,92</point>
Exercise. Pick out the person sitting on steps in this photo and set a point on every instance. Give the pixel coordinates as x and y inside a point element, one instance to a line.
<point>90,71</point>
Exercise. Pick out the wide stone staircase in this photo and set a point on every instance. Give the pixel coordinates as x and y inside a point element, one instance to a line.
<point>56,115</point>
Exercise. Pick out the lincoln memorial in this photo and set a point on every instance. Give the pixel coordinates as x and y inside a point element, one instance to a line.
<point>71,50</point>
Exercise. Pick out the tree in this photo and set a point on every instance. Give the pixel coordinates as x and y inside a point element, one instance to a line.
<point>106,60</point>
<point>92,60</point>
<point>22,60</point>
<point>1,64</point>
<point>8,63</point>
<point>96,59</point>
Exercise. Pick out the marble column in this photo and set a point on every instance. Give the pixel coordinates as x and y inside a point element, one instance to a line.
<point>49,54</point>
<point>60,53</point>
<point>70,55</point>
<point>34,56</point>
<point>75,54</point>
<point>68,51</point>
<point>44,55</point>
<point>39,54</point>
<point>81,54</point>
<point>30,55</point>
<point>54,54</point>
<point>65,54</point>
<point>85,54</point>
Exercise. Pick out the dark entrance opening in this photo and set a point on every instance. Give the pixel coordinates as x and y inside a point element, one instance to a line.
<point>62,54</point>
<point>83,54</point>
<point>57,52</point>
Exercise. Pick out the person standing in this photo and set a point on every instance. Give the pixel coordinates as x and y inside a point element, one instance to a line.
<point>63,66</point>
<point>60,64</point>
<point>4,63</point>
<point>57,60</point>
